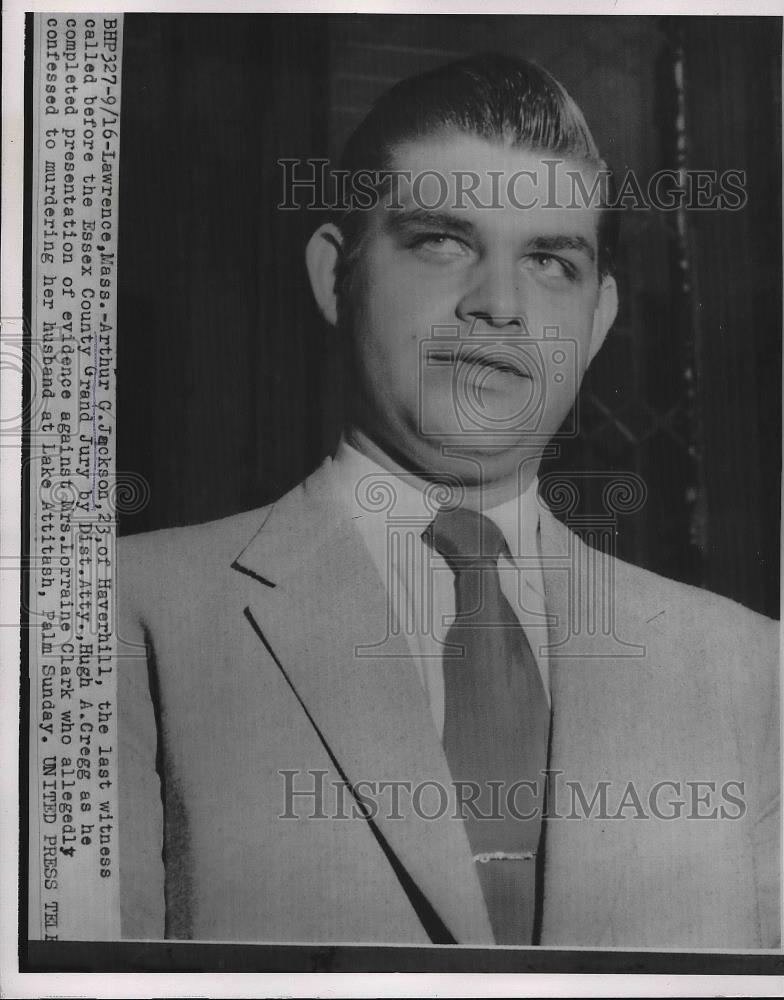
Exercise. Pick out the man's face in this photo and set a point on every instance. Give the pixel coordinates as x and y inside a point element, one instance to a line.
<point>472,326</point>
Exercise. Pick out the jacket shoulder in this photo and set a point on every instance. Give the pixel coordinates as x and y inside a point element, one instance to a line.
<point>188,541</point>
<point>694,608</point>
<point>154,565</point>
<point>738,648</point>
<point>642,595</point>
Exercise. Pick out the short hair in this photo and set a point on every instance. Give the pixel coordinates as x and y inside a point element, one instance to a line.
<point>493,96</point>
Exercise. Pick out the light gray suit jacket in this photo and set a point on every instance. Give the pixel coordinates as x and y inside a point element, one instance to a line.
<point>240,662</point>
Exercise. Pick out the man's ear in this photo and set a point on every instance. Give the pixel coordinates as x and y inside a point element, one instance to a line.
<point>322,256</point>
<point>604,315</point>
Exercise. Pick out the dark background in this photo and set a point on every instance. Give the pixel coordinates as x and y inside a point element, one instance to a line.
<point>230,385</point>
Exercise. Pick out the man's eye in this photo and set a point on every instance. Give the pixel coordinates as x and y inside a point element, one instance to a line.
<point>549,266</point>
<point>440,244</point>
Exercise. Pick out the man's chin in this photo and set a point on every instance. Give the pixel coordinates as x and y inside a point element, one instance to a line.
<point>483,422</point>
<point>476,458</point>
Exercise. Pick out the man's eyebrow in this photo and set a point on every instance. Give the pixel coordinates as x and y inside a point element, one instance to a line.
<point>406,218</point>
<point>550,244</point>
<point>399,220</point>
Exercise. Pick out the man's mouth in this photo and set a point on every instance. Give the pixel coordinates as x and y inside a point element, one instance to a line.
<point>506,360</point>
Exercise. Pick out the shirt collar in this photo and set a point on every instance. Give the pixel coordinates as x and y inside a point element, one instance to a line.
<point>372,494</point>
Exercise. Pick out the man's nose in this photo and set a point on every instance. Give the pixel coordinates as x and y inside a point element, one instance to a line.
<point>493,296</point>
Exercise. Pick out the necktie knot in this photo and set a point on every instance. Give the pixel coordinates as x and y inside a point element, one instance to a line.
<point>465,538</point>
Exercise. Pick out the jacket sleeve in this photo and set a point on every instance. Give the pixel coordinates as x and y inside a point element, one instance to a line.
<point>766,834</point>
<point>142,905</point>
<point>754,645</point>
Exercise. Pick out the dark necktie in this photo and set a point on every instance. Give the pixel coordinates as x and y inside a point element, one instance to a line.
<point>497,722</point>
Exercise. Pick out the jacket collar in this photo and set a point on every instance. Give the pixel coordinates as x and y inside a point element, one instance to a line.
<point>306,518</point>
<point>294,528</point>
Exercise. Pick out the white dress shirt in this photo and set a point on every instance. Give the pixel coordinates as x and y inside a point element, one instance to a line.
<point>391,510</point>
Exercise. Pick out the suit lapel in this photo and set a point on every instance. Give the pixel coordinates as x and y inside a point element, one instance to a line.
<point>323,610</point>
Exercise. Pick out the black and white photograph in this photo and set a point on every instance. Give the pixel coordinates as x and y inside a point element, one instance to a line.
<point>401,490</point>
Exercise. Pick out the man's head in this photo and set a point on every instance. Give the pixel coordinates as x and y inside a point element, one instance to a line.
<point>477,287</point>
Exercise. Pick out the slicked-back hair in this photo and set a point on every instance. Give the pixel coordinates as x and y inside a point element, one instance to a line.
<point>496,97</point>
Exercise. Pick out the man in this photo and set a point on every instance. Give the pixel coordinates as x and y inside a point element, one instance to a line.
<point>345,717</point>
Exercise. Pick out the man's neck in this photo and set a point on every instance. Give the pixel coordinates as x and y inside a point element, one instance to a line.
<point>484,496</point>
